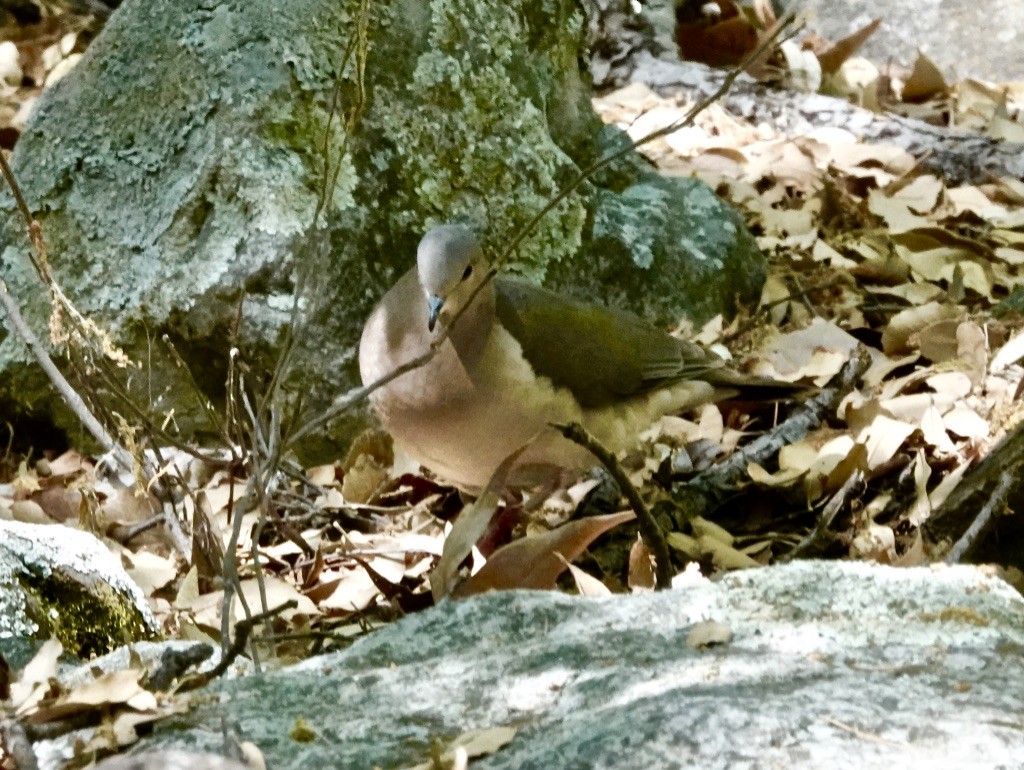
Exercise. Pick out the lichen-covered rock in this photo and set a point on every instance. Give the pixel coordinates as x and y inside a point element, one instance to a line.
<point>62,582</point>
<point>205,156</point>
<point>809,665</point>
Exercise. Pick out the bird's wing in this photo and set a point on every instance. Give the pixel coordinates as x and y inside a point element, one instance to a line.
<point>600,355</point>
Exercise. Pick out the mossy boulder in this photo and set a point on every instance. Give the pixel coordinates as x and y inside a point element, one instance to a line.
<point>206,161</point>
<point>61,582</point>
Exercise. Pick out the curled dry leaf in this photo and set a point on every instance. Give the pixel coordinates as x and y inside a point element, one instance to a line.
<point>816,352</point>
<point>534,562</point>
<point>899,336</point>
<point>25,690</point>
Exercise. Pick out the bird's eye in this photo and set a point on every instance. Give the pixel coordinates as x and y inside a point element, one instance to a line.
<point>467,272</point>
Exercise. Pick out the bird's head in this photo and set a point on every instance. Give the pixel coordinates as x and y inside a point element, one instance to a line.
<point>450,264</point>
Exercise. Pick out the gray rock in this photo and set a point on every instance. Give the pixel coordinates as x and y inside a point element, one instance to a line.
<point>172,760</point>
<point>964,38</point>
<point>845,665</point>
<point>179,656</point>
<point>58,581</point>
<point>180,170</point>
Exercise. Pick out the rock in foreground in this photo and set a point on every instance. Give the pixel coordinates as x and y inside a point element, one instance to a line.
<point>829,665</point>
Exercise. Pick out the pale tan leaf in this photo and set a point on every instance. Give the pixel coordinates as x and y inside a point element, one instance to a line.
<point>322,475</point>
<point>972,349</point>
<point>704,528</point>
<point>724,556</point>
<point>896,213</point>
<point>354,589</point>
<point>708,633</point>
<point>897,337</point>
<point>362,479</point>
<point>149,571</point>
<point>968,198</point>
<point>278,592</point>
<point>954,385</point>
<point>822,252</point>
<point>1010,353</point>
<point>965,422</point>
<point>882,366</point>
<point>817,351</point>
<point>37,671</point>
<point>883,438</point>
<point>781,478</point>
<point>837,54</point>
<point>937,342</point>
<point>586,585</point>
<point>925,82</point>
<point>69,463</point>
<point>109,689</point>
<point>934,431</point>
<point>922,194</point>
<point>913,293</point>
<point>188,591</point>
<point>685,544</point>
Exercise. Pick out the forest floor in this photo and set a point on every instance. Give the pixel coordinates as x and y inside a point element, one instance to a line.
<point>866,252</point>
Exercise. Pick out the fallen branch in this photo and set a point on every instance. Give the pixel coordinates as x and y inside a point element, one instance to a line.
<point>983,522</point>
<point>705,491</point>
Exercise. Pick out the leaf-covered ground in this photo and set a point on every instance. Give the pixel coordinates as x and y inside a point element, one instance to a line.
<point>865,250</point>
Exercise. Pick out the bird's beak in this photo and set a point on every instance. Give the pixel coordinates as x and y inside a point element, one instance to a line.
<point>434,305</point>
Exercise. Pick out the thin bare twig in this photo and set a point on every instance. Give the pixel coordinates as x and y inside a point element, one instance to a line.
<point>69,395</point>
<point>982,522</point>
<point>805,417</point>
<point>818,536</point>
<point>648,524</point>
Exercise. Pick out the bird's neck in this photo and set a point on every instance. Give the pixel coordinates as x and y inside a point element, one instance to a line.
<point>470,333</point>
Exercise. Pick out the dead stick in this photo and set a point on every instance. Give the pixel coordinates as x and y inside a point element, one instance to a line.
<point>806,417</point>
<point>69,395</point>
<point>648,526</point>
<point>243,629</point>
<point>969,540</point>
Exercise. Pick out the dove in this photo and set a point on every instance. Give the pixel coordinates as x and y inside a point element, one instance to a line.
<point>518,359</point>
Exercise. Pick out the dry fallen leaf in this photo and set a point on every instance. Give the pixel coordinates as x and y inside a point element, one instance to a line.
<point>469,528</point>
<point>708,633</point>
<point>587,585</point>
<point>533,562</point>
<point>640,576</point>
